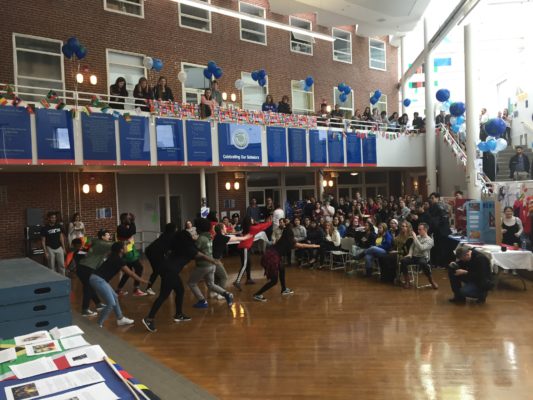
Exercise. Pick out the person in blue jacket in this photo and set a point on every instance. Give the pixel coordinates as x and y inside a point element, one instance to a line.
<point>380,249</point>
<point>269,104</point>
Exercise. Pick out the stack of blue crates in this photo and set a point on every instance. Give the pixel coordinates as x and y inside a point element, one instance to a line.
<point>32,297</point>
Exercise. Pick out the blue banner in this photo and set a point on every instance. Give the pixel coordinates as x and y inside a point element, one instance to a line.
<point>134,141</point>
<point>277,146</point>
<point>297,147</point>
<point>169,133</point>
<point>99,142</point>
<point>55,136</point>
<point>15,135</point>
<point>370,157</point>
<point>239,144</point>
<point>353,149</point>
<point>317,147</point>
<point>199,147</point>
<point>336,149</point>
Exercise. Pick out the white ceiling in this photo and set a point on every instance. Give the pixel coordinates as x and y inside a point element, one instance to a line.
<point>372,17</point>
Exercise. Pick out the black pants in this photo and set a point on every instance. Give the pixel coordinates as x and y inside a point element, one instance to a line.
<point>507,136</point>
<point>324,248</point>
<point>273,281</point>
<point>442,251</point>
<point>84,273</point>
<point>135,266</point>
<point>421,262</point>
<point>156,260</point>
<point>170,282</point>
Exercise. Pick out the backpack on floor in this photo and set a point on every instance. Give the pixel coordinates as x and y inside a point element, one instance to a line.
<point>271,261</point>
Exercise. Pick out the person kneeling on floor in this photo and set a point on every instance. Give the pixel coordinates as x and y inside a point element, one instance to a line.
<point>470,276</point>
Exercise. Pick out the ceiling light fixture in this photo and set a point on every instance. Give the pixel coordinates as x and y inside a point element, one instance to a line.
<point>258,20</point>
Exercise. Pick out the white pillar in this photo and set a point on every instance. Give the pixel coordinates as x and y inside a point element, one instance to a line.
<point>402,69</point>
<point>431,152</point>
<point>167,199</point>
<point>203,191</point>
<point>472,123</point>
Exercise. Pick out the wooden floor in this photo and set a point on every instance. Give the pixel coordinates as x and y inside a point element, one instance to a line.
<point>342,337</point>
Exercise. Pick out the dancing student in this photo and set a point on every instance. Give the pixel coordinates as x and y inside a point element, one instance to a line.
<point>156,253</point>
<point>248,227</point>
<point>182,251</point>
<point>99,281</point>
<point>125,232</point>
<point>271,262</point>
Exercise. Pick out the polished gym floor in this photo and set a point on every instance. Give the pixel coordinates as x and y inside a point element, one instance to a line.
<point>344,337</point>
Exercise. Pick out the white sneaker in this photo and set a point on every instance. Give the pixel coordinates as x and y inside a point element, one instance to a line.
<point>213,295</point>
<point>219,296</point>
<point>124,321</point>
<point>150,292</point>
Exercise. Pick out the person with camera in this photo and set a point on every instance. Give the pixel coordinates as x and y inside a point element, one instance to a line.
<point>470,276</point>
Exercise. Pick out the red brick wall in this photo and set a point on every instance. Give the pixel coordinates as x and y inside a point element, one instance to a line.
<point>238,195</point>
<point>51,191</point>
<point>159,35</point>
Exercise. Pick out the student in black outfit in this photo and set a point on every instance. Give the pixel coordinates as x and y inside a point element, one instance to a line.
<point>283,106</point>
<point>118,89</point>
<point>143,93</point>
<point>183,250</point>
<point>470,276</point>
<point>125,232</point>
<point>162,92</point>
<point>156,253</point>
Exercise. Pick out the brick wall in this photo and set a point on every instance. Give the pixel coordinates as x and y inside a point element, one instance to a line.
<point>238,195</point>
<point>52,192</point>
<point>159,35</point>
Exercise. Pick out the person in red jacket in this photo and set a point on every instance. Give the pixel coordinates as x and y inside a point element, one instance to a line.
<point>248,227</point>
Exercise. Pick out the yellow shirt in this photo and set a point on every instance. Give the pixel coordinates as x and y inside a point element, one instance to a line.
<point>379,239</point>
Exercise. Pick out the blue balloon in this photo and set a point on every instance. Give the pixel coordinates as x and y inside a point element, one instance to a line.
<point>377,94</point>
<point>309,81</point>
<point>81,52</point>
<point>482,146</point>
<point>495,127</point>
<point>341,86</point>
<point>73,43</point>
<point>457,109</point>
<point>460,120</point>
<point>158,65</point>
<point>347,90</point>
<point>373,100</point>
<point>455,128</point>
<point>218,73</point>
<point>67,51</point>
<point>262,82</point>
<point>208,74</point>
<point>491,144</point>
<point>212,66</point>
<point>443,95</point>
<point>343,97</point>
<point>307,88</point>
<point>255,75</point>
<point>407,102</point>
<point>261,74</point>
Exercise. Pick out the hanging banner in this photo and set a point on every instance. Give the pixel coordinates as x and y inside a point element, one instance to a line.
<point>199,147</point>
<point>353,150</point>
<point>481,221</point>
<point>99,140</point>
<point>318,147</point>
<point>277,146</point>
<point>297,147</point>
<point>15,136</point>
<point>169,134</point>
<point>55,137</point>
<point>239,145</point>
<point>134,141</point>
<point>370,158</point>
<point>335,149</point>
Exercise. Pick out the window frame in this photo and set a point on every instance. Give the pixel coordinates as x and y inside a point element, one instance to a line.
<point>380,102</point>
<point>130,53</point>
<point>312,91</point>
<point>141,5</point>
<point>370,54</point>
<point>291,17</point>
<point>180,13</point>
<point>333,45</point>
<point>352,110</point>
<point>15,60</point>
<point>247,30</point>
<point>200,92</point>
<point>265,88</point>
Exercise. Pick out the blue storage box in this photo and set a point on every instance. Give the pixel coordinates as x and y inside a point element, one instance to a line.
<point>10,329</point>
<point>32,309</point>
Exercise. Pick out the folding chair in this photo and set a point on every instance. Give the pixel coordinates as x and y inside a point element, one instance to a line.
<point>413,271</point>
<point>340,258</point>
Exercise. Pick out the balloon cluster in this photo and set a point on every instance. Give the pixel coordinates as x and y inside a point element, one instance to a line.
<point>494,128</point>
<point>345,90</point>
<point>259,76</point>
<point>307,83</point>
<point>375,97</point>
<point>212,70</point>
<point>153,63</point>
<point>74,47</point>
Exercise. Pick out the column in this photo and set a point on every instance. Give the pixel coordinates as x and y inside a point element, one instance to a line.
<point>402,69</point>
<point>167,199</point>
<point>472,123</point>
<point>203,192</point>
<point>431,152</point>
<point>320,185</point>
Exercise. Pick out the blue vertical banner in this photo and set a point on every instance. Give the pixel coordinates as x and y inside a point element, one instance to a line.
<point>277,146</point>
<point>297,147</point>
<point>353,150</point>
<point>99,140</point>
<point>199,146</point>
<point>15,136</point>
<point>239,144</point>
<point>370,158</point>
<point>318,147</point>
<point>134,141</point>
<point>473,220</point>
<point>336,148</point>
<point>170,148</point>
<point>55,136</point>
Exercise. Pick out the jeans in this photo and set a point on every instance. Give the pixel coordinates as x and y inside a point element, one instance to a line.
<point>106,292</point>
<point>56,259</point>
<point>207,274</point>
<point>135,266</point>
<point>370,254</point>
<point>170,281</point>
<point>84,273</point>
<point>273,281</point>
<point>462,289</point>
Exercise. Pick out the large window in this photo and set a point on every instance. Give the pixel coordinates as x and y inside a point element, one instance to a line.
<point>302,102</point>
<point>252,31</point>
<point>129,7</point>
<point>347,106</point>
<point>342,46</point>
<point>193,88</point>
<point>127,65</point>
<point>195,18</point>
<point>381,105</point>
<point>253,95</point>
<point>377,54</point>
<point>39,64</point>
<point>301,43</point>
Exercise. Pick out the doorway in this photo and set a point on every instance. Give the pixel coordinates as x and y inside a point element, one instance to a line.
<point>175,212</point>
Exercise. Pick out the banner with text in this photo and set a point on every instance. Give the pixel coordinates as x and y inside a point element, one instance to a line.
<point>239,144</point>
<point>335,149</point>
<point>134,141</point>
<point>199,147</point>
<point>15,134</point>
<point>370,157</point>
<point>277,146</point>
<point>55,136</point>
<point>297,147</point>
<point>99,140</point>
<point>353,150</point>
<point>318,147</point>
<point>170,149</point>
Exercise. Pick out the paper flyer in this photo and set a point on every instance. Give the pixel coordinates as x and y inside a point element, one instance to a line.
<point>73,342</point>
<point>85,355</point>
<point>31,338</point>
<point>99,391</point>
<point>37,349</point>
<point>60,333</point>
<point>8,355</point>
<point>32,368</point>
